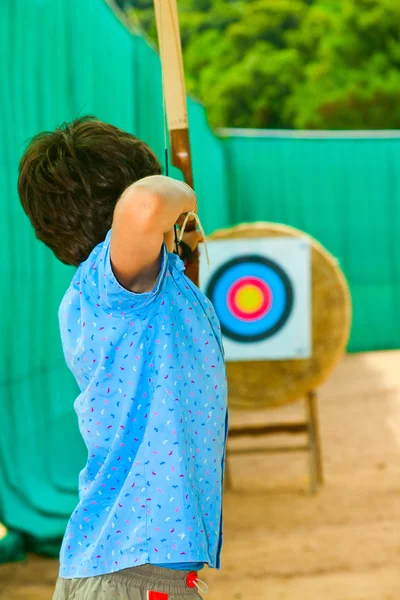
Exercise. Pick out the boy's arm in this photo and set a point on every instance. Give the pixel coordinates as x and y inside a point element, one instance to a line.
<point>146,211</point>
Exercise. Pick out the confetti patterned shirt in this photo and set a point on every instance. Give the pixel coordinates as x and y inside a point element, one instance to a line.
<point>152,412</point>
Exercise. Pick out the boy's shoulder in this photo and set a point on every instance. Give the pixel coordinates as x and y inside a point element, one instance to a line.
<point>97,263</point>
<point>85,283</point>
<point>95,284</point>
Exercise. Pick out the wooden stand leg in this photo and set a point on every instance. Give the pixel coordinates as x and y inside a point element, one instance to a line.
<point>310,427</point>
<point>227,475</point>
<point>316,472</point>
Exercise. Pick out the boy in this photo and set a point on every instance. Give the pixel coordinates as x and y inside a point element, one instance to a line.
<point>144,345</point>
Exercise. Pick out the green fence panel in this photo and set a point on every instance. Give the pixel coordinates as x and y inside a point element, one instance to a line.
<point>343,191</point>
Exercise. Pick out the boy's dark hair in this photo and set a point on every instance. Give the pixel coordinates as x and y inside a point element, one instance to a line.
<point>70,181</point>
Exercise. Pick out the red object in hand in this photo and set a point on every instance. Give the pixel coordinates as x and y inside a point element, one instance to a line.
<point>191,579</point>
<point>156,596</point>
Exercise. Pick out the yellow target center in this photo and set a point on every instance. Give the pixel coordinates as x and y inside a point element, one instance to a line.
<point>249,298</point>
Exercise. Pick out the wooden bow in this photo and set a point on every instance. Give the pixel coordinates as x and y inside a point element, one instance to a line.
<point>174,92</point>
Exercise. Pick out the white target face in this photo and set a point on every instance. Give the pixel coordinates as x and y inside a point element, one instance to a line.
<point>260,289</point>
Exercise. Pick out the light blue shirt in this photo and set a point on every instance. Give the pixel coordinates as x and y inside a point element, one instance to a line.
<point>153,414</point>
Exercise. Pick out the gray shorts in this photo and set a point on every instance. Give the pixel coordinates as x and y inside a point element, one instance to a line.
<point>128,584</point>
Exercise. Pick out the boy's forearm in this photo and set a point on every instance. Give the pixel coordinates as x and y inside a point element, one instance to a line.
<point>143,216</point>
<point>159,201</point>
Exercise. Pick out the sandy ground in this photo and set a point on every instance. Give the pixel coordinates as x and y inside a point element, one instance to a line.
<point>280,542</point>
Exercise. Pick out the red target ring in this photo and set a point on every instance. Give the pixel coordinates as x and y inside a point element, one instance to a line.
<point>249,298</point>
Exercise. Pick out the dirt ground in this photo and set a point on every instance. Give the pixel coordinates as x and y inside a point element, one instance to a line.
<point>280,542</point>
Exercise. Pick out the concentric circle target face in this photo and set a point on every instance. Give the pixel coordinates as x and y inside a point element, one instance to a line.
<point>253,297</point>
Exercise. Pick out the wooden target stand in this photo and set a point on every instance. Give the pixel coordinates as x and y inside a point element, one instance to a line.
<point>271,384</point>
<point>308,427</point>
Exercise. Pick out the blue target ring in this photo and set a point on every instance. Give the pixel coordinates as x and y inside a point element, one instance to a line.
<point>234,275</point>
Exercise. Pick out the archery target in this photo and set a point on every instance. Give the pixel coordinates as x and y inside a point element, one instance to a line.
<point>260,289</point>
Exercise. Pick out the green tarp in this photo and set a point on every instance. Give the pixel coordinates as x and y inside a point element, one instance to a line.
<point>344,191</point>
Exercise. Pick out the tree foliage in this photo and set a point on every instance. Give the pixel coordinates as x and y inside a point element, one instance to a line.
<point>315,64</point>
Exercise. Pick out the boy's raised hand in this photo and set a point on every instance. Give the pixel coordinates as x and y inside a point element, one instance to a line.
<point>192,239</point>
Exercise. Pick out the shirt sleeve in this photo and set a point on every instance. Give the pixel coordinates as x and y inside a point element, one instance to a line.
<point>99,278</point>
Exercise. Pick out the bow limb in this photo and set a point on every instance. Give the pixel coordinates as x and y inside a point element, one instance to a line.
<point>174,92</point>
